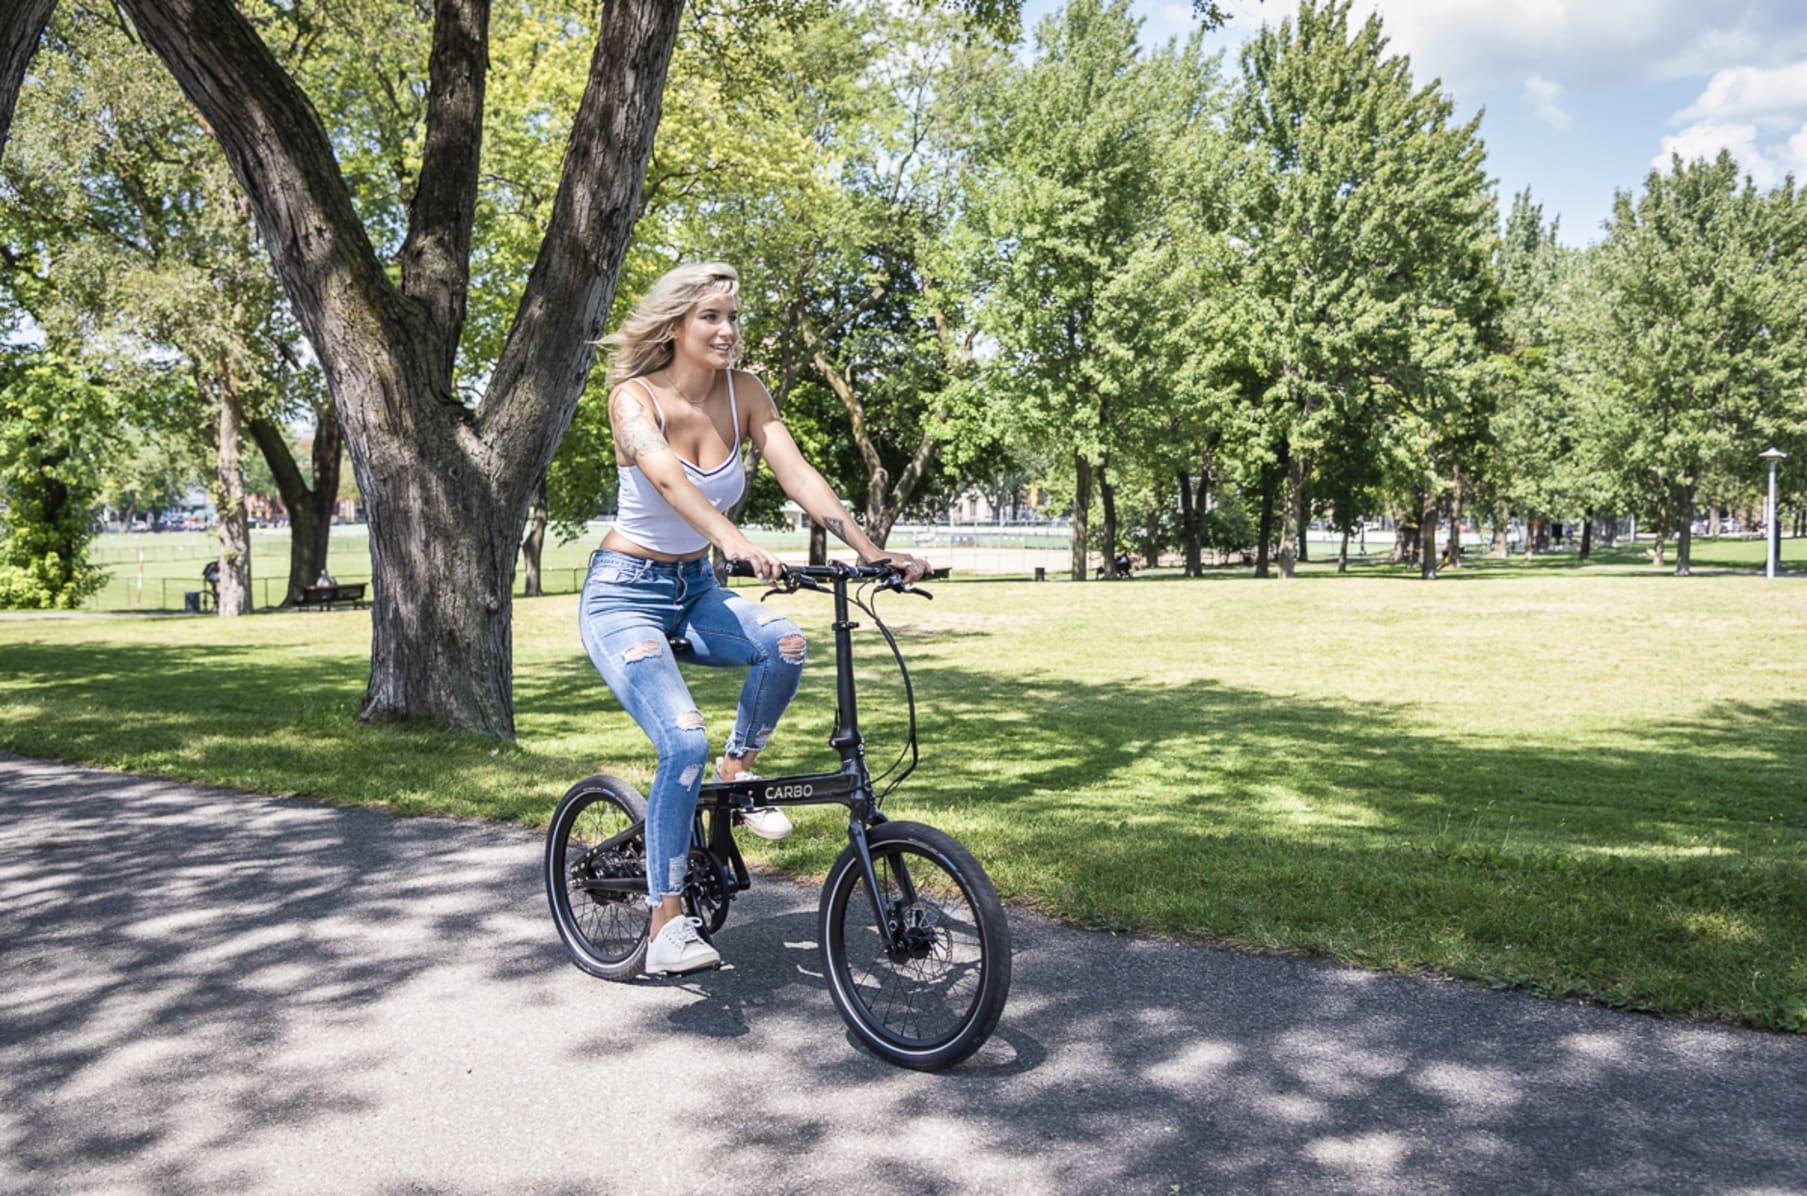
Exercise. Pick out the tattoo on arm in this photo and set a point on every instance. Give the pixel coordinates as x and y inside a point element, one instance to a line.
<point>635,432</point>
<point>837,527</point>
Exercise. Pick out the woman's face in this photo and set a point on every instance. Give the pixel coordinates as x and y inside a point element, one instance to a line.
<point>709,331</point>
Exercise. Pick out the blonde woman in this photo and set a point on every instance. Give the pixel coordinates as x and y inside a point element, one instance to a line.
<point>680,414</point>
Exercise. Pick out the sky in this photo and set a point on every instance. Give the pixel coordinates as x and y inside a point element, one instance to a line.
<point>1582,98</point>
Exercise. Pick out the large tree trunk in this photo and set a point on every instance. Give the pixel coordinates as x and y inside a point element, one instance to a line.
<point>1107,497</point>
<point>1342,553</point>
<point>1501,518</point>
<point>1264,545</point>
<point>1684,529</point>
<point>310,508</point>
<point>1452,554</point>
<point>818,543</point>
<point>535,542</point>
<point>1291,515</point>
<point>1082,502</point>
<point>1405,535</point>
<point>445,487</point>
<point>1587,535</point>
<point>1191,525</point>
<point>229,501</point>
<point>1427,529</point>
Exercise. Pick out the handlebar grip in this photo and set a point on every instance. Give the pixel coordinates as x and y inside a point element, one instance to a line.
<point>740,569</point>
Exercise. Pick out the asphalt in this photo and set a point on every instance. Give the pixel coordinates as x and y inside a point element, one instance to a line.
<point>204,991</point>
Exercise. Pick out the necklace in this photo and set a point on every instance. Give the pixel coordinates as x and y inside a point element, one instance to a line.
<point>672,381</point>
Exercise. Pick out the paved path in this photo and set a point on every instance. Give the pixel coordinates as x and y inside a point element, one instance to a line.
<point>209,992</point>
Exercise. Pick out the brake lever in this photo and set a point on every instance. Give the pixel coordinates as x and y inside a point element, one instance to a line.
<point>790,584</point>
<point>897,585</point>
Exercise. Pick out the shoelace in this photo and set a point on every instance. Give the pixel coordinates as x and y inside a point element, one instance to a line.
<point>686,929</point>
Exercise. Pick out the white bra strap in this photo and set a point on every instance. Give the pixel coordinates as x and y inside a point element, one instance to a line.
<point>733,413</point>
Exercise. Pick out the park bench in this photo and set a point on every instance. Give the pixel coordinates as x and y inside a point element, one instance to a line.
<point>328,597</point>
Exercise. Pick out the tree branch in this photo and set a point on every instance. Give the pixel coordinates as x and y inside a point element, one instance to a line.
<point>919,461</point>
<point>280,154</point>
<point>21,26</point>
<point>843,389</point>
<point>435,258</point>
<point>281,461</point>
<point>847,317</point>
<point>551,344</point>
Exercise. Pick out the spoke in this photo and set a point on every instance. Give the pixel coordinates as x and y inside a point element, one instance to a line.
<point>922,997</point>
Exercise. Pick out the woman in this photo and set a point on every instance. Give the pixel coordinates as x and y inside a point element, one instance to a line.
<point>680,413</point>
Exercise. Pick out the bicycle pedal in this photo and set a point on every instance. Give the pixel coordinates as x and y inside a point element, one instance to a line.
<point>686,974</point>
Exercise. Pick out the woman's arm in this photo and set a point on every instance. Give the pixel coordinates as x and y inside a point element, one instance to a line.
<point>638,439</point>
<point>807,487</point>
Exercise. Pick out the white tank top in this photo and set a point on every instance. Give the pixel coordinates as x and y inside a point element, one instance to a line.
<point>643,515</point>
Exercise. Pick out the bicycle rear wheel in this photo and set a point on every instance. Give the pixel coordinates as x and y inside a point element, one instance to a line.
<point>936,999</point>
<point>595,851</point>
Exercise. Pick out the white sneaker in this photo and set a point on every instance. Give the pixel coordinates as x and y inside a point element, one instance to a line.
<point>678,948</point>
<point>768,822</point>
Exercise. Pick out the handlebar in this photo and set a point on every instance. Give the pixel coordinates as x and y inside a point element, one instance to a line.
<point>804,576</point>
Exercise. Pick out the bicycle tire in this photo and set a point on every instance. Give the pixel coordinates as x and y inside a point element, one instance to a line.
<point>936,1003</point>
<point>603,932</point>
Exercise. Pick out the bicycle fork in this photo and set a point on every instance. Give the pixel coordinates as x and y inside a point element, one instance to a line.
<point>892,930</point>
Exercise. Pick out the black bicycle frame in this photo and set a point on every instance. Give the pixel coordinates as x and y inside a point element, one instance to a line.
<point>850,785</point>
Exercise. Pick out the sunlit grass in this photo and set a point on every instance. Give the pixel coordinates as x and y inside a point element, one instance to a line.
<point>1585,782</point>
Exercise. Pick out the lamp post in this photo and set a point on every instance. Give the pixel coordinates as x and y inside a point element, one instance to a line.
<point>1772,531</point>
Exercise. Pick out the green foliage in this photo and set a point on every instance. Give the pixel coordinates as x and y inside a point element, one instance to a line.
<point>1696,338</point>
<point>1367,219</point>
<point>1537,463</point>
<point>1066,207</point>
<point>56,432</point>
<point>1229,528</point>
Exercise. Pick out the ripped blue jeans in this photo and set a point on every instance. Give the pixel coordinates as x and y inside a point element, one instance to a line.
<point>630,607</point>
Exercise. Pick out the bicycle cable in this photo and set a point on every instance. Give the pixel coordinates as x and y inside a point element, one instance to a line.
<point>909,749</point>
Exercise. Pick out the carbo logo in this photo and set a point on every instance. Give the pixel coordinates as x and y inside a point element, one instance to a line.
<point>788,790</point>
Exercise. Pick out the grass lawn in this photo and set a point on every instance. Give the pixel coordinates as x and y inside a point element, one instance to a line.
<point>1586,782</point>
<point>172,561</point>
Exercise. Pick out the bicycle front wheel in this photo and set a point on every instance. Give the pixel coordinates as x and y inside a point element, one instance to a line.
<point>936,997</point>
<point>596,876</point>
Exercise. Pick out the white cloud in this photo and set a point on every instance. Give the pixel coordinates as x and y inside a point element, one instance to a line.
<point>1749,111</point>
<point>1542,96</point>
<point>1772,95</point>
<point>1495,43</point>
<point>1706,139</point>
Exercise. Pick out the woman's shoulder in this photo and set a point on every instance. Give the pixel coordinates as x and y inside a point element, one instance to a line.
<point>635,387</point>
<point>746,383</point>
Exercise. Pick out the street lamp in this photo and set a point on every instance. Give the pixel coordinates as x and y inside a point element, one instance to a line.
<point>1772,531</point>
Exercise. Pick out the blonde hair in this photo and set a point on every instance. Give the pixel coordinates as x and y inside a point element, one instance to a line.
<point>643,342</point>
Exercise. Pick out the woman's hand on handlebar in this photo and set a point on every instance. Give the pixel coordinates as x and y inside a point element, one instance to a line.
<point>764,565</point>
<point>912,568</point>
